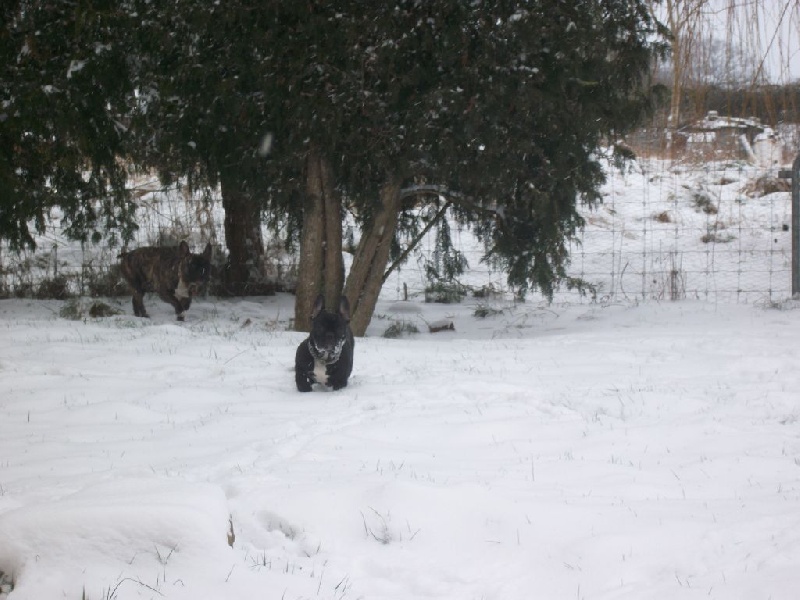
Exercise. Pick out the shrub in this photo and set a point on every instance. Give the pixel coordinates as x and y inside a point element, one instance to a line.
<point>766,185</point>
<point>487,291</point>
<point>445,293</point>
<point>98,310</point>
<point>399,329</point>
<point>702,201</point>
<point>105,282</point>
<point>483,310</point>
<point>76,309</point>
<point>56,288</point>
<point>713,235</point>
<point>663,217</point>
<point>6,584</point>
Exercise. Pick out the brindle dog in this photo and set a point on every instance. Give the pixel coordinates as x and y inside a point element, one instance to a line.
<point>174,273</point>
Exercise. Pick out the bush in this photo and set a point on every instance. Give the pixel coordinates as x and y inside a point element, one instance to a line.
<point>702,201</point>
<point>763,186</point>
<point>713,235</point>
<point>56,288</point>
<point>445,293</point>
<point>75,309</point>
<point>6,584</point>
<point>399,329</point>
<point>663,217</point>
<point>105,282</point>
<point>483,310</point>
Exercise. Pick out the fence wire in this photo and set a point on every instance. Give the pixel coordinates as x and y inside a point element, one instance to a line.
<point>665,231</point>
<point>720,232</point>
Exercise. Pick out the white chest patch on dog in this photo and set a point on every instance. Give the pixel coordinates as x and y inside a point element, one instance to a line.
<point>320,372</point>
<point>181,291</point>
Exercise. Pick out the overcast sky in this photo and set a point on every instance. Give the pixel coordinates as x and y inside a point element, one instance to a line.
<point>767,29</point>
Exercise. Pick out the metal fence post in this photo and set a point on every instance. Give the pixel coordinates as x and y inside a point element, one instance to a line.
<point>796,226</point>
<point>795,176</point>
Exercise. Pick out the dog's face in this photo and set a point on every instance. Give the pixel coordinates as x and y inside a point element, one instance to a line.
<point>195,268</point>
<point>328,330</point>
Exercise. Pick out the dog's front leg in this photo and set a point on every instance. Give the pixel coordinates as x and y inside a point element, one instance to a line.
<point>337,375</point>
<point>337,385</point>
<point>302,381</point>
<point>303,366</point>
<point>138,303</point>
<point>177,303</point>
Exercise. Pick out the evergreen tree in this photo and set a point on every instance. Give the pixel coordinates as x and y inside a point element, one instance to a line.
<point>203,99</point>
<point>63,100</point>
<point>501,107</point>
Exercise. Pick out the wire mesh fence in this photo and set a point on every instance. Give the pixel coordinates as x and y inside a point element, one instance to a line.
<point>165,216</point>
<point>717,232</point>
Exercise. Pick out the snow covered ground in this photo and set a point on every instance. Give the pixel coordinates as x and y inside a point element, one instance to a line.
<point>623,448</point>
<point>598,451</point>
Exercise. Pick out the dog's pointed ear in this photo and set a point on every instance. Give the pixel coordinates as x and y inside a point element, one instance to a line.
<point>344,308</point>
<point>319,305</point>
<point>207,251</point>
<point>183,249</point>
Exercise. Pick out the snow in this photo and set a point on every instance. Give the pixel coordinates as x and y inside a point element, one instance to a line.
<point>642,451</point>
<point>74,67</point>
<point>626,448</point>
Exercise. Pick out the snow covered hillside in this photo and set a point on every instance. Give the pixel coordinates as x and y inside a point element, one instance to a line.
<point>599,451</point>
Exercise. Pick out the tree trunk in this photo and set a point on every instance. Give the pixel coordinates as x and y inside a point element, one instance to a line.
<point>365,279</point>
<point>242,237</point>
<point>676,24</point>
<point>321,267</point>
<point>683,18</point>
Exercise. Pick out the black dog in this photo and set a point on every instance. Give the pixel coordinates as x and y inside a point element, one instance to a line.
<point>326,356</point>
<point>173,273</point>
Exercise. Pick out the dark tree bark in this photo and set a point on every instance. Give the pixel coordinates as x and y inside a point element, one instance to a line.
<point>321,267</point>
<point>242,238</point>
<point>372,255</point>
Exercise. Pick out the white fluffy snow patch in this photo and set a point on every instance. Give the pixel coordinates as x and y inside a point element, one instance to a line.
<point>112,532</point>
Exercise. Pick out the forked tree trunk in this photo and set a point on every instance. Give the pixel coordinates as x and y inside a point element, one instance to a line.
<point>365,279</point>
<point>242,237</point>
<point>320,268</point>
